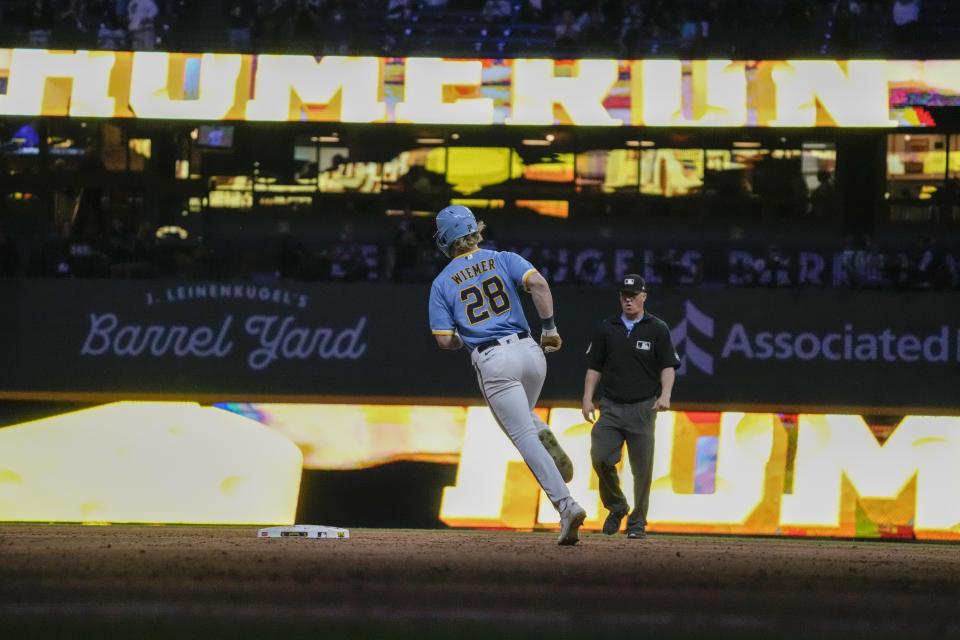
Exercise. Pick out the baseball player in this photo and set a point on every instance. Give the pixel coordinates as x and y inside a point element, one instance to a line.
<point>475,302</point>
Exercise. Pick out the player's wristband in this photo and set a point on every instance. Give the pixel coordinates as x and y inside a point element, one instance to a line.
<point>548,323</point>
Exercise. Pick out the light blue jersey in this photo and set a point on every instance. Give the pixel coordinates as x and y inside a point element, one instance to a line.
<point>476,296</point>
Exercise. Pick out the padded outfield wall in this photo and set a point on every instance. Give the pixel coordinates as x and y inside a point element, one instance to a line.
<point>808,412</point>
<point>781,350</point>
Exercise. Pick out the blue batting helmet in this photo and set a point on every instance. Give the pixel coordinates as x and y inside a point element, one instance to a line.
<point>453,222</point>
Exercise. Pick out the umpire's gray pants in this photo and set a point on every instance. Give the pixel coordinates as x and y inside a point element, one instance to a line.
<point>634,425</point>
<point>511,376</point>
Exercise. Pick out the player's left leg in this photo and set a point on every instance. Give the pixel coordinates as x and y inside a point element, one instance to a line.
<point>534,374</point>
<point>500,372</point>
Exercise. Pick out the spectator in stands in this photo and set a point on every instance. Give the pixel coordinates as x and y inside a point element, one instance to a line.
<point>775,269</point>
<point>898,270</point>
<point>71,253</point>
<point>275,21</point>
<point>117,241</point>
<point>52,259</point>
<point>906,22</point>
<point>694,30</point>
<point>823,199</point>
<point>497,10</point>
<point>135,257</point>
<point>592,29</point>
<point>347,259</point>
<point>534,11</point>
<point>934,269</point>
<point>400,9</point>
<point>632,27</point>
<point>72,24</point>
<point>336,30</point>
<point>923,261</point>
<point>291,258</point>
<point>948,201</point>
<point>39,22</point>
<point>796,22</point>
<point>868,267</point>
<point>240,25</point>
<point>669,267</point>
<point>110,35</point>
<point>840,18</point>
<point>566,32</point>
<point>308,24</point>
<point>141,15</point>
<point>406,249</point>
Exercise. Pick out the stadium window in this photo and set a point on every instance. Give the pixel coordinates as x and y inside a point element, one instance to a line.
<point>608,171</point>
<point>21,147</point>
<point>818,162</point>
<point>953,158</point>
<point>340,172</point>
<point>544,162</point>
<point>671,172</point>
<point>69,144</point>
<point>140,153</point>
<point>418,170</point>
<point>471,170</point>
<point>210,153</point>
<point>916,170</point>
<point>231,192</point>
<point>543,169</point>
<point>306,160</point>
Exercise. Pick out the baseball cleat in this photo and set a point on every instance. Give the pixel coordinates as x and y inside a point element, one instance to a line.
<point>612,524</point>
<point>560,457</point>
<point>637,531</point>
<point>570,521</point>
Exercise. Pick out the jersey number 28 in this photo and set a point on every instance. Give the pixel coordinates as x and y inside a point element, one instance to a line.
<point>490,292</point>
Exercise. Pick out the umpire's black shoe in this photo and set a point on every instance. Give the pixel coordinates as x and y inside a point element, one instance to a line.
<point>637,531</point>
<point>612,524</point>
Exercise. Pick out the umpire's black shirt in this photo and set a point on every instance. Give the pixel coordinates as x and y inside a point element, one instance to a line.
<point>630,364</point>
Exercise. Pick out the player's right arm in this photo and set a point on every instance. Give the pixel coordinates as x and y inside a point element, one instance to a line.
<point>442,324</point>
<point>448,341</point>
<point>539,290</point>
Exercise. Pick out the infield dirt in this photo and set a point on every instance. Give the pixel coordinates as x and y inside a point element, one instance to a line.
<point>70,581</point>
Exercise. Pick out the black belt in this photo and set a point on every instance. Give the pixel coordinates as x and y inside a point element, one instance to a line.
<point>619,401</point>
<point>496,343</point>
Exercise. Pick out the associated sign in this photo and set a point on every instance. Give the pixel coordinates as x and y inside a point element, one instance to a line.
<point>652,93</point>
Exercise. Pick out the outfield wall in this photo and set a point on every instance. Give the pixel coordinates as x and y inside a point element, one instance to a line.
<point>779,350</point>
<point>719,473</point>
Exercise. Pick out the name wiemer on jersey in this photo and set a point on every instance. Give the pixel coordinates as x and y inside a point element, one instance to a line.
<point>473,271</point>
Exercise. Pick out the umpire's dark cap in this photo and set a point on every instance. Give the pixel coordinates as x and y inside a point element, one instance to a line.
<point>633,283</point>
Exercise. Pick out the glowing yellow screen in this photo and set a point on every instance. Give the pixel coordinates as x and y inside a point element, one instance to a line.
<point>363,89</point>
<point>743,473</point>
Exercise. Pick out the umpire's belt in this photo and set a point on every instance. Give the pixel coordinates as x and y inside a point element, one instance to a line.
<point>504,340</point>
<point>619,401</point>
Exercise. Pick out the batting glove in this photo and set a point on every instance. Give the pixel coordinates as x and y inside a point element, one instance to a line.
<point>550,340</point>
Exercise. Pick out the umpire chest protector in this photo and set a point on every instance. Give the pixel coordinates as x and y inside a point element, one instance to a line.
<point>630,363</point>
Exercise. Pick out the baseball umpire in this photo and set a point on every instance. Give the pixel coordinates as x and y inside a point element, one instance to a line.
<point>633,354</point>
<point>474,302</point>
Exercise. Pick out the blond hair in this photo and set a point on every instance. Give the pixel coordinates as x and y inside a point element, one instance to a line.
<point>468,242</point>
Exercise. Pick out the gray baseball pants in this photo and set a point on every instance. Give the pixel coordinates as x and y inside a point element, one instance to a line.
<point>634,425</point>
<point>511,376</point>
